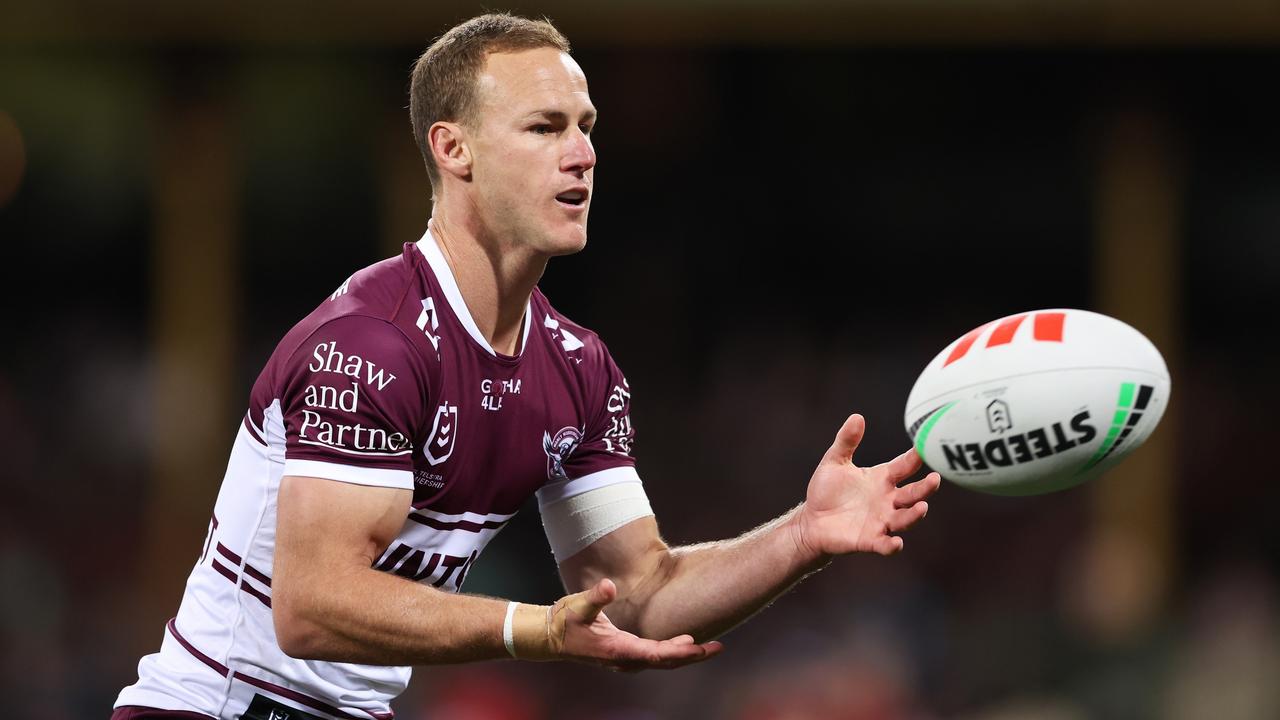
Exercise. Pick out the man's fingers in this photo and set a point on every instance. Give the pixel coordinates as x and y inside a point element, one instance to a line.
<point>846,442</point>
<point>912,493</point>
<point>903,519</point>
<point>640,654</point>
<point>903,466</point>
<point>887,544</point>
<point>684,650</point>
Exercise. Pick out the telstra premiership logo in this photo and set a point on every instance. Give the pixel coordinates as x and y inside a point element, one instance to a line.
<point>1047,328</point>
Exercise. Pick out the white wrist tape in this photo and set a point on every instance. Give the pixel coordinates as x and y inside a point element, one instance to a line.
<point>508,638</point>
<point>574,522</point>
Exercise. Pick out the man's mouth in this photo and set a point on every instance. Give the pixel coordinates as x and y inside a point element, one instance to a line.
<point>575,197</point>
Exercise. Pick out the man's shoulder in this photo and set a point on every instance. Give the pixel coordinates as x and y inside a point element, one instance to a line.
<point>372,311</point>
<point>377,290</point>
<point>574,339</point>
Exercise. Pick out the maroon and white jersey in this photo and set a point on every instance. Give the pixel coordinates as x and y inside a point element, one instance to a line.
<point>388,383</point>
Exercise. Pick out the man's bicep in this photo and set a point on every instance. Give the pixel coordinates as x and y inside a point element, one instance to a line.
<point>578,516</point>
<point>351,403</point>
<point>320,521</point>
<point>327,533</point>
<point>625,555</point>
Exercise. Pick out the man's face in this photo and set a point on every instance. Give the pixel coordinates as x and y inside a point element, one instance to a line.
<point>532,159</point>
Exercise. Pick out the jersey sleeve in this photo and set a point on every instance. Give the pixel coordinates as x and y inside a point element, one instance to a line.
<point>603,456</point>
<point>352,397</point>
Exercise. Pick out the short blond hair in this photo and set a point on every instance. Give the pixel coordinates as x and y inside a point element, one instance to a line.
<point>443,82</point>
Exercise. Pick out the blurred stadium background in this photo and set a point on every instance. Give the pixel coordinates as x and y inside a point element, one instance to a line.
<point>799,203</point>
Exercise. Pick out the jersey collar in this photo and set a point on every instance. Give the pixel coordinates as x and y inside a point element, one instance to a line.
<point>444,276</point>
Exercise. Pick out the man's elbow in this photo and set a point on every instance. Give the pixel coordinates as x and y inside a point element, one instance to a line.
<point>298,636</point>
<point>299,641</point>
<point>646,613</point>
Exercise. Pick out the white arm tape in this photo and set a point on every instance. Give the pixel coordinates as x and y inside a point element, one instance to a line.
<point>508,638</point>
<point>572,523</point>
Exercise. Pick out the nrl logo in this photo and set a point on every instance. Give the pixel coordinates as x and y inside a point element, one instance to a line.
<point>558,449</point>
<point>998,418</point>
<point>439,445</point>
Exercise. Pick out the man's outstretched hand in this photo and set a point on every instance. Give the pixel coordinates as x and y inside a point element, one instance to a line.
<point>576,628</point>
<point>854,509</point>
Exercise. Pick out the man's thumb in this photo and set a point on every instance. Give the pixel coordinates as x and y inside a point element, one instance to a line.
<point>588,603</point>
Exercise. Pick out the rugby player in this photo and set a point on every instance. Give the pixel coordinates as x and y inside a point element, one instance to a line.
<point>397,428</point>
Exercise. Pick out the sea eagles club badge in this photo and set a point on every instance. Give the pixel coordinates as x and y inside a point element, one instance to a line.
<point>558,449</point>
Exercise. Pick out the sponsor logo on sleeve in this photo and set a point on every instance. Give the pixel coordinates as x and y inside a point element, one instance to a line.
<point>327,358</point>
<point>324,399</point>
<point>444,432</point>
<point>357,439</point>
<point>558,448</point>
<point>619,397</point>
<point>617,439</point>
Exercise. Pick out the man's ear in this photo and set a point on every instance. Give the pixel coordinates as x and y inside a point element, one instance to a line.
<point>450,148</point>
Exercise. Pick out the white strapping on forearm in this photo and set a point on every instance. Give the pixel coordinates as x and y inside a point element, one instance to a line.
<point>575,522</point>
<point>508,637</point>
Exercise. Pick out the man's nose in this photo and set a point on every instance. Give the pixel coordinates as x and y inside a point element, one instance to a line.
<point>580,156</point>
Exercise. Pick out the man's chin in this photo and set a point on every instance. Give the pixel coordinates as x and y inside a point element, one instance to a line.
<point>569,243</point>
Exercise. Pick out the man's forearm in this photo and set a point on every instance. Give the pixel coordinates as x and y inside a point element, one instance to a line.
<point>707,589</point>
<point>376,622</point>
<point>371,617</point>
<point>704,590</point>
<point>328,603</point>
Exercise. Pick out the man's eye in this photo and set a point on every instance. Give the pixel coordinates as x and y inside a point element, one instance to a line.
<point>542,129</point>
<point>586,129</point>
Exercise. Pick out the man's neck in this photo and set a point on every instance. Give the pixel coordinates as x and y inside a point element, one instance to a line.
<point>495,278</point>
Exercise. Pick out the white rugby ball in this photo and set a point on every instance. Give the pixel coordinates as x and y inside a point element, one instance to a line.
<point>1037,402</point>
